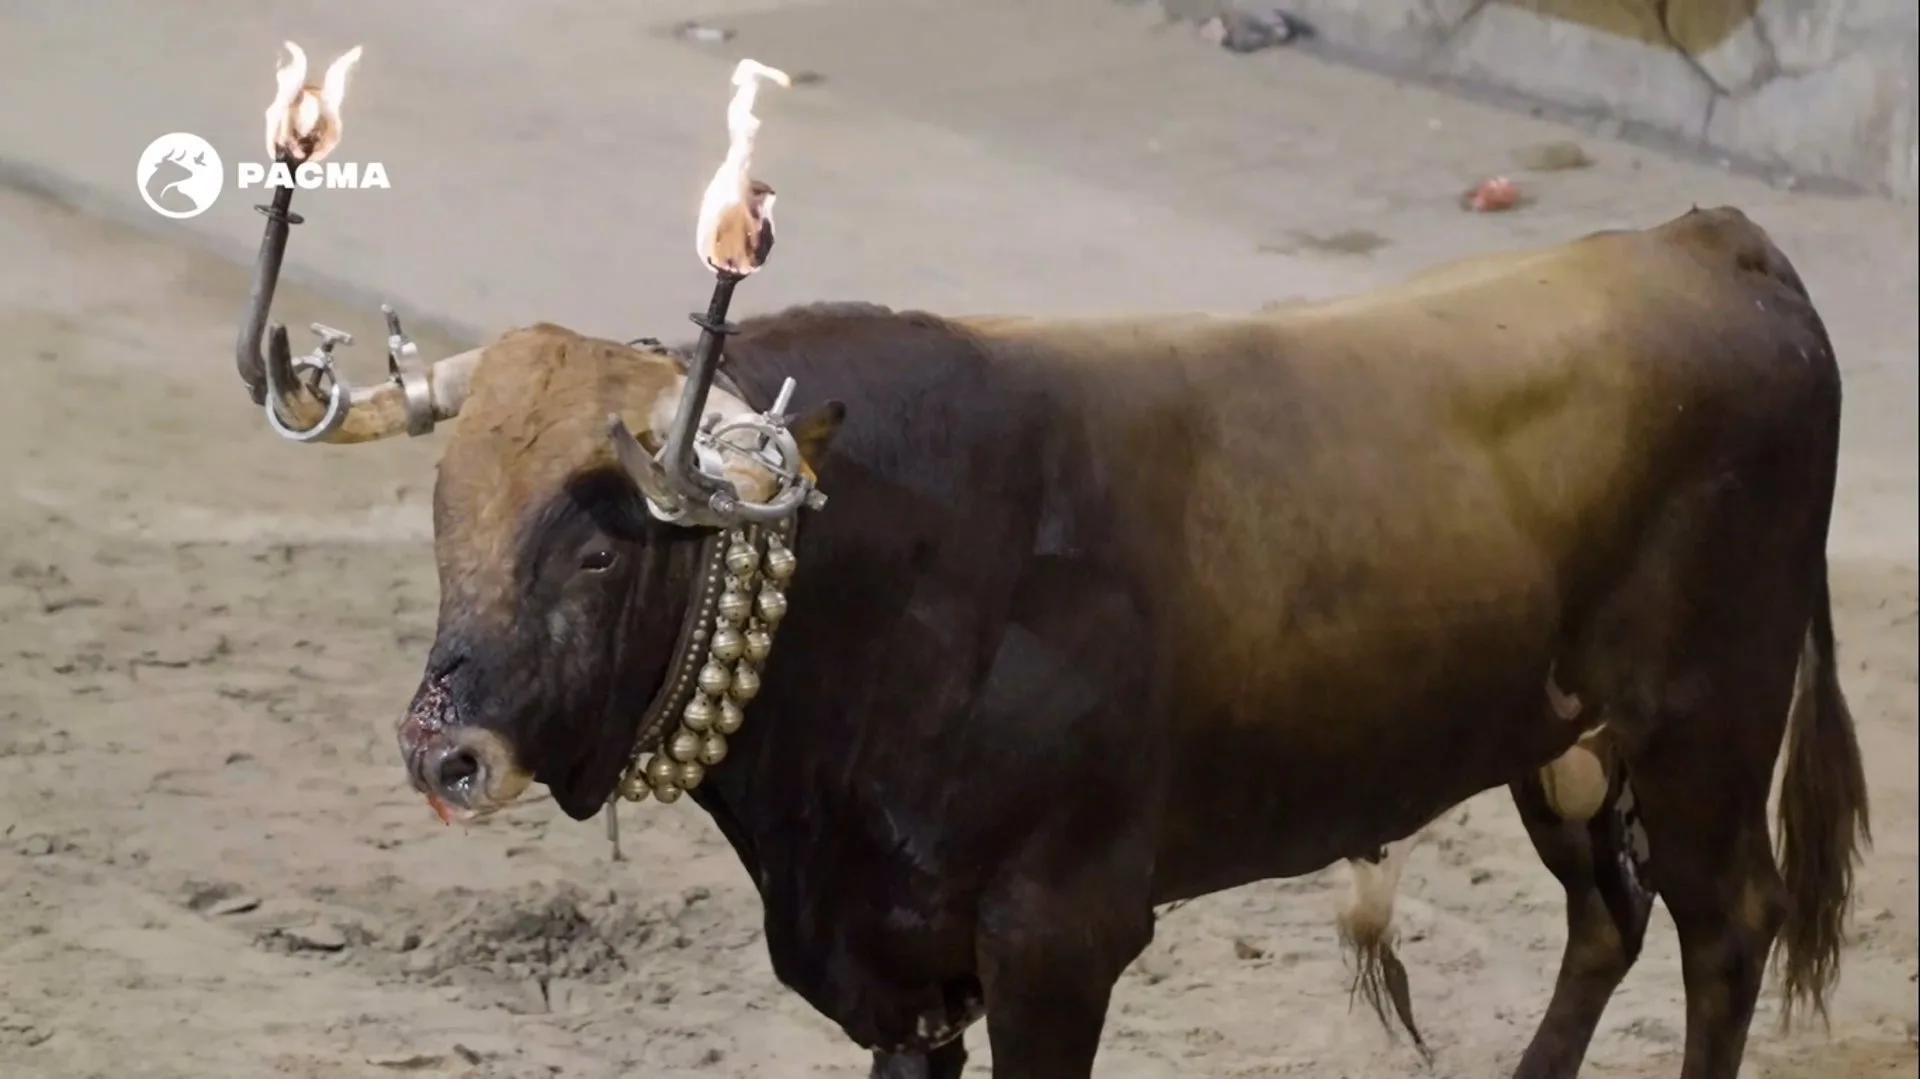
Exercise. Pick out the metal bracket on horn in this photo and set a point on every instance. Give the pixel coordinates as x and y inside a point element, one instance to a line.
<point>774,450</point>
<point>405,367</point>
<point>685,484</point>
<point>303,127</point>
<point>266,376</point>
<point>320,362</point>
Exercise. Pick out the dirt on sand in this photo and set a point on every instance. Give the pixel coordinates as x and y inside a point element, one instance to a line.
<point>211,864</point>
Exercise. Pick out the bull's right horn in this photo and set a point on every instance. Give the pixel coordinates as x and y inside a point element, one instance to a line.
<point>308,401</point>
<point>646,471</point>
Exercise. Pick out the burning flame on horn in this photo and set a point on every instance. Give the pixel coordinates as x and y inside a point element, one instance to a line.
<point>303,123</point>
<point>735,230</point>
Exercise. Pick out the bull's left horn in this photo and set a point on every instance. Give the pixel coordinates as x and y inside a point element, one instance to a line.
<point>323,408</point>
<point>307,400</point>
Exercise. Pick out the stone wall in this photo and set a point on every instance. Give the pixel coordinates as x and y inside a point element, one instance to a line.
<point>1807,89</point>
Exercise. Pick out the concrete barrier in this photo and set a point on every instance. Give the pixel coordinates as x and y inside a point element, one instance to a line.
<point>1803,89</point>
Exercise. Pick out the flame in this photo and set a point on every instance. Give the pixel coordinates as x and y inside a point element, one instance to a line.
<point>303,123</point>
<point>736,213</point>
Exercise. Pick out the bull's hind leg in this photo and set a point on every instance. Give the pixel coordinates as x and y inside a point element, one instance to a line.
<point>1694,658</point>
<point>1601,862</point>
<point>1702,781</point>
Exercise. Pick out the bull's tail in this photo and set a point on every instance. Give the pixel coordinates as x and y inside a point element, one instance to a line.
<point>1367,935</point>
<point>1823,823</point>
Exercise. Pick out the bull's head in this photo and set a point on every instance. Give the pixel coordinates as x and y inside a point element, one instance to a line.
<point>575,623</point>
<point>610,524</point>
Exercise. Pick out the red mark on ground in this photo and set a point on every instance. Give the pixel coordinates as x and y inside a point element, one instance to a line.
<point>1492,196</point>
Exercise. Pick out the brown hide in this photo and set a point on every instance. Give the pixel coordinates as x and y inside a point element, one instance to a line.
<point>535,417</point>
<point>1386,507</point>
<point>1477,439</point>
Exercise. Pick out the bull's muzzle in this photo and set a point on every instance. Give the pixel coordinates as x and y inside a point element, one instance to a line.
<point>465,771</point>
<point>469,773</point>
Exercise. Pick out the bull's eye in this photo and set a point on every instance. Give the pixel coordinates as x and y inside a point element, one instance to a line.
<point>598,560</point>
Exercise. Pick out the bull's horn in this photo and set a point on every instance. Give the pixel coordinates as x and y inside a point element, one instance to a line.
<point>647,472</point>
<point>307,400</point>
<point>323,408</point>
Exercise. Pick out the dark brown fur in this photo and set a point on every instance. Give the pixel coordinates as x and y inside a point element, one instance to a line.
<point>1110,613</point>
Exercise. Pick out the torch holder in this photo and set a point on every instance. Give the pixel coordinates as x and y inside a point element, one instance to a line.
<point>267,376</point>
<point>678,454</point>
<point>686,482</point>
<point>251,366</point>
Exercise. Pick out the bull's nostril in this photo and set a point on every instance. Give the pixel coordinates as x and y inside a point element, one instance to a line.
<point>456,769</point>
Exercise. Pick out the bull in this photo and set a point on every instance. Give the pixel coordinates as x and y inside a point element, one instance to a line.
<point>1107,614</point>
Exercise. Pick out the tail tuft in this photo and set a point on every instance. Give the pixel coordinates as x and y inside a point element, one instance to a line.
<point>1823,822</point>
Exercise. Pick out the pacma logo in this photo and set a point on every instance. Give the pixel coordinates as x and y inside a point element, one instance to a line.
<point>181,175</point>
<point>310,175</point>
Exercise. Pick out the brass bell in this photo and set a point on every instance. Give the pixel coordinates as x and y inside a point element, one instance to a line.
<point>772,606</point>
<point>660,771</point>
<point>746,684</point>
<point>668,793</point>
<point>684,745</point>
<point>691,773</point>
<point>735,606</point>
<point>780,562</point>
<point>759,643</point>
<point>729,644</point>
<point>742,560</point>
<point>731,717</point>
<point>633,786</point>
<point>713,748</point>
<point>714,679</point>
<point>699,714</point>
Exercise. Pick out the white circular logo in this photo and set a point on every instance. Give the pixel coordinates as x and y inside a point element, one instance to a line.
<point>180,175</point>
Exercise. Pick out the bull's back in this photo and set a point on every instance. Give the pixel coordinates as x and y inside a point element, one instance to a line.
<point>1365,522</point>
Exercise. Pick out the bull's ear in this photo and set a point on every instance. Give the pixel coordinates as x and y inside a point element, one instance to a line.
<point>813,433</point>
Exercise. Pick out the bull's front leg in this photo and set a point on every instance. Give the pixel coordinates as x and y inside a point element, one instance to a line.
<point>1047,991</point>
<point>1073,756</point>
<point>946,1062</point>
